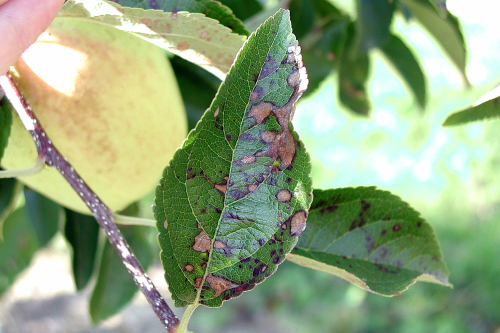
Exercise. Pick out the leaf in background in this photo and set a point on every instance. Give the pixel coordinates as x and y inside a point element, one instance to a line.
<point>482,111</point>
<point>82,233</point>
<point>5,124</point>
<point>406,64</point>
<point>234,199</point>
<point>45,215</point>
<point>370,238</point>
<point>192,36</point>
<point>114,288</point>
<point>209,8</point>
<point>243,9</point>
<point>353,76</point>
<point>374,20</point>
<point>440,6</point>
<point>447,32</point>
<point>10,189</point>
<point>18,246</point>
<point>198,87</point>
<point>322,29</point>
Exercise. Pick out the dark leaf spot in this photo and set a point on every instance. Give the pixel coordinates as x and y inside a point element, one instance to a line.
<point>396,227</point>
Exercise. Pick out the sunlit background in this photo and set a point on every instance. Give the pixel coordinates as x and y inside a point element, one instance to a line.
<point>449,175</point>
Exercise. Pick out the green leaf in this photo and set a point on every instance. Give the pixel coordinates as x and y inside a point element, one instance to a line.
<point>198,87</point>
<point>234,198</point>
<point>114,288</point>
<point>209,8</point>
<point>10,189</point>
<point>82,233</point>
<point>440,6</point>
<point>447,32</point>
<point>5,123</point>
<point>487,110</point>
<point>353,77</point>
<point>45,215</point>
<point>193,36</point>
<point>406,64</point>
<point>370,238</point>
<point>374,20</point>
<point>18,246</point>
<point>243,9</point>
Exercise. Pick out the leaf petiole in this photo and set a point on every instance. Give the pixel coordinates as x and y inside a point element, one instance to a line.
<point>186,317</point>
<point>40,163</point>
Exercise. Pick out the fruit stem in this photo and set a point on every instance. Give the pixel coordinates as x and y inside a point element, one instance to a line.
<point>101,212</point>
<point>130,220</point>
<point>40,163</point>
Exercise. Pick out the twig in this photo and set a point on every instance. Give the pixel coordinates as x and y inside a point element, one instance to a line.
<point>101,212</point>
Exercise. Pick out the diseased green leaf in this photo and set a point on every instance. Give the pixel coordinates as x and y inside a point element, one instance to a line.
<point>10,189</point>
<point>447,31</point>
<point>193,36</point>
<point>370,238</point>
<point>198,87</point>
<point>374,20</point>
<point>209,8</point>
<point>5,123</point>
<point>406,64</point>
<point>45,215</point>
<point>235,198</point>
<point>114,288</point>
<point>18,246</point>
<point>486,110</point>
<point>353,76</point>
<point>82,233</point>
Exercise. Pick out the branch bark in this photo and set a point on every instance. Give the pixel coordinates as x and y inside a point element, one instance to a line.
<point>104,216</point>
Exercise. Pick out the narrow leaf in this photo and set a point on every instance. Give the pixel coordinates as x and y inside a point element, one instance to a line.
<point>82,233</point>
<point>353,77</point>
<point>5,124</point>
<point>114,288</point>
<point>447,32</point>
<point>234,199</point>
<point>10,189</point>
<point>45,215</point>
<point>370,238</point>
<point>17,248</point>
<point>406,64</point>
<point>487,110</point>
<point>193,36</point>
<point>374,20</point>
<point>212,9</point>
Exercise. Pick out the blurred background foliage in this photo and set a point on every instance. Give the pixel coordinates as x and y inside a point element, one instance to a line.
<point>393,140</point>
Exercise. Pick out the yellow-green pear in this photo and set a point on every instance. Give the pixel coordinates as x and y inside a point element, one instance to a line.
<point>111,105</point>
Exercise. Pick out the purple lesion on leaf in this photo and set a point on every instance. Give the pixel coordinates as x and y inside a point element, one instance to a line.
<point>153,4</point>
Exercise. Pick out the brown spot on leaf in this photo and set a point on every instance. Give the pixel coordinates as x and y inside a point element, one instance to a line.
<point>204,34</point>
<point>189,268</point>
<point>293,79</point>
<point>298,224</point>
<point>284,195</point>
<point>197,282</point>
<point>396,227</point>
<point>260,111</point>
<point>268,136</point>
<point>328,210</point>
<point>247,159</point>
<point>202,242</point>
<point>216,113</point>
<point>222,186</point>
<point>219,244</point>
<point>182,46</point>
<point>252,187</point>
<point>165,224</point>
<point>219,284</point>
